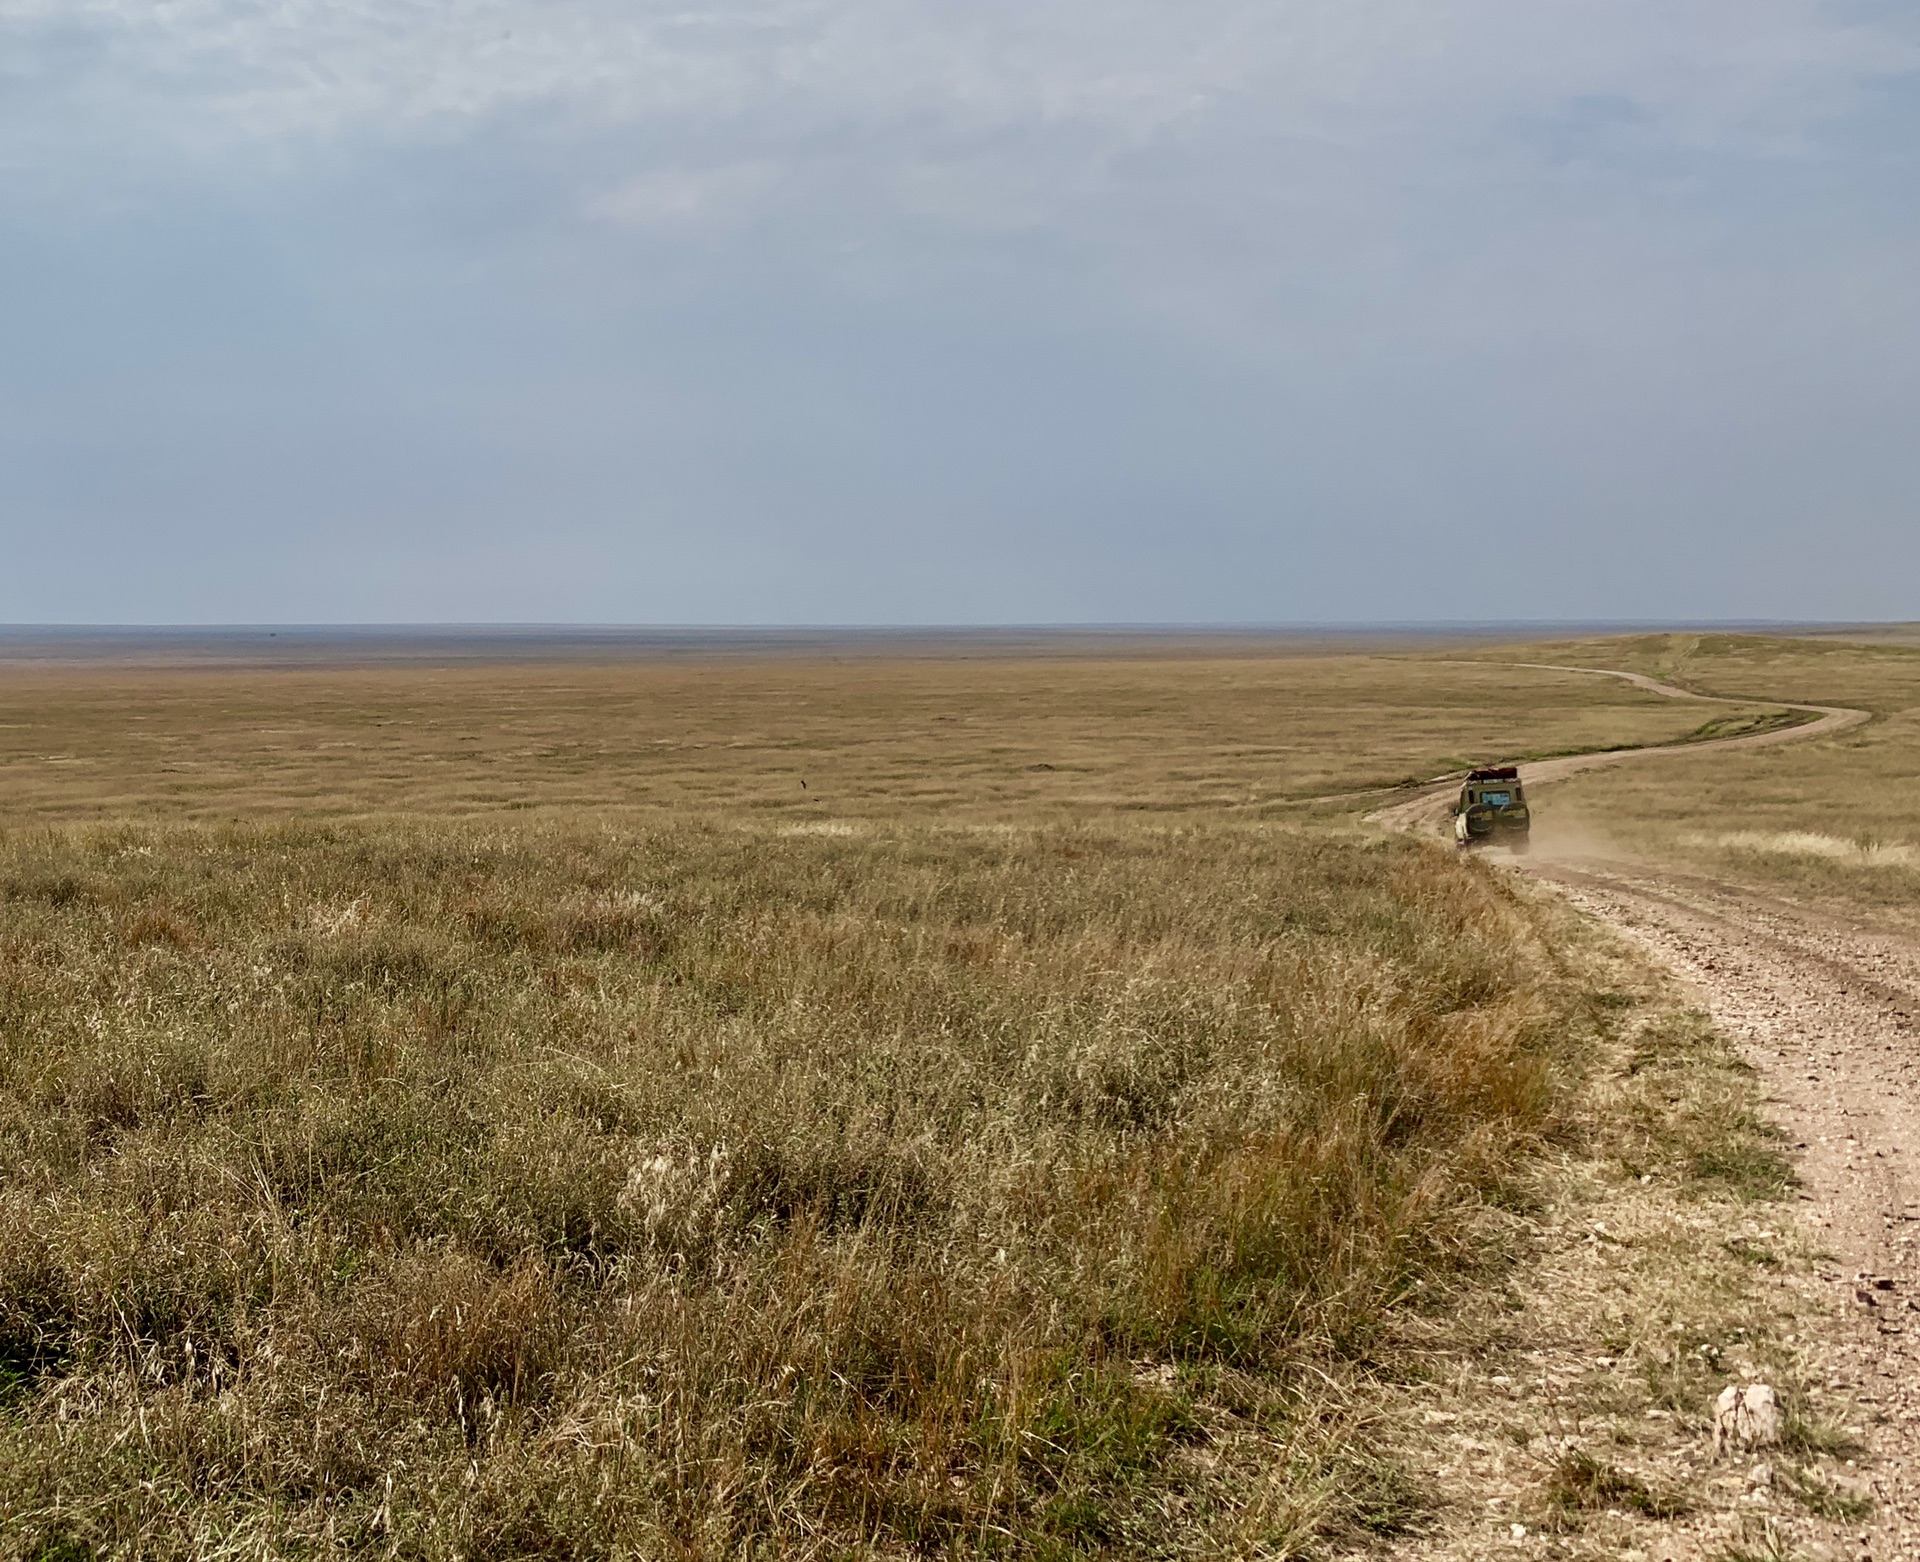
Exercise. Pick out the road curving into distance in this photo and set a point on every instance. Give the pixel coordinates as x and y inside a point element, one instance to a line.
<point>1430,807</point>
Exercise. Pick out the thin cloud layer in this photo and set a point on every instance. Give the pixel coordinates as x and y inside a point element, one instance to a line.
<point>1339,270</point>
<point>221,78</point>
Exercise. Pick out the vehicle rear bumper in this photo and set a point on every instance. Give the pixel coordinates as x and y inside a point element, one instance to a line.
<point>1493,835</point>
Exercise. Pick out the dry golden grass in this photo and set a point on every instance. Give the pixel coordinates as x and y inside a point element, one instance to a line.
<point>495,1113</point>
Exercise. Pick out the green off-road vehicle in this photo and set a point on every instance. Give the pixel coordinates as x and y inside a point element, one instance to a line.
<point>1492,810</point>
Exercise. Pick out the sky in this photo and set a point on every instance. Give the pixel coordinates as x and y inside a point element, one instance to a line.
<point>884,312</point>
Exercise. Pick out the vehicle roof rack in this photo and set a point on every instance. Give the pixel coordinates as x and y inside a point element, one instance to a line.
<point>1495,773</point>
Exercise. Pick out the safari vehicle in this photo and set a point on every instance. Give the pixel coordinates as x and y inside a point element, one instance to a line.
<point>1492,810</point>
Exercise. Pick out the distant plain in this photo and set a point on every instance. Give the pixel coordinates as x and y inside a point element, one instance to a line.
<point>1032,728</point>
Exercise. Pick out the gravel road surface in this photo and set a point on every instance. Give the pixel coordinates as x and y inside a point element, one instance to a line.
<point>1827,1012</point>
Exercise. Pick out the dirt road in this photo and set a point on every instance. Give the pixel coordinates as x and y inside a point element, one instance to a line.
<point>1827,1011</point>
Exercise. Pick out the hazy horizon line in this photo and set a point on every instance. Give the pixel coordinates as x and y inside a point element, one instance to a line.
<point>857,627</point>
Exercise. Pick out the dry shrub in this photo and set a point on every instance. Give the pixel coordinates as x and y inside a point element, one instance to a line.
<point>627,921</point>
<point>623,921</point>
<point>156,925</point>
<point>114,1091</point>
<point>842,1187</point>
<point>450,1324</point>
<point>37,1319</point>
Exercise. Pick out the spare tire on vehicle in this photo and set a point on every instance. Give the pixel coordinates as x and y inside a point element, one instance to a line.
<point>1492,810</point>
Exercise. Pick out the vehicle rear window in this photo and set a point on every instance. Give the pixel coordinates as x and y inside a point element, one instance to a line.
<point>1496,799</point>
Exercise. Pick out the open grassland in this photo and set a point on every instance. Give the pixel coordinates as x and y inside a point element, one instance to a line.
<point>567,1190</point>
<point>499,1113</point>
<point>1837,820</point>
<point>872,736</point>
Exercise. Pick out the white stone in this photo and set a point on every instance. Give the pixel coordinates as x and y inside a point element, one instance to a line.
<point>1746,1415</point>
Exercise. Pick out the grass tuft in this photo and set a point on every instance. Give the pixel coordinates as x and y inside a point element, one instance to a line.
<point>1580,1483</point>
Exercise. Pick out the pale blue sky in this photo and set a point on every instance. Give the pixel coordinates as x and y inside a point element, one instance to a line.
<point>845,311</point>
